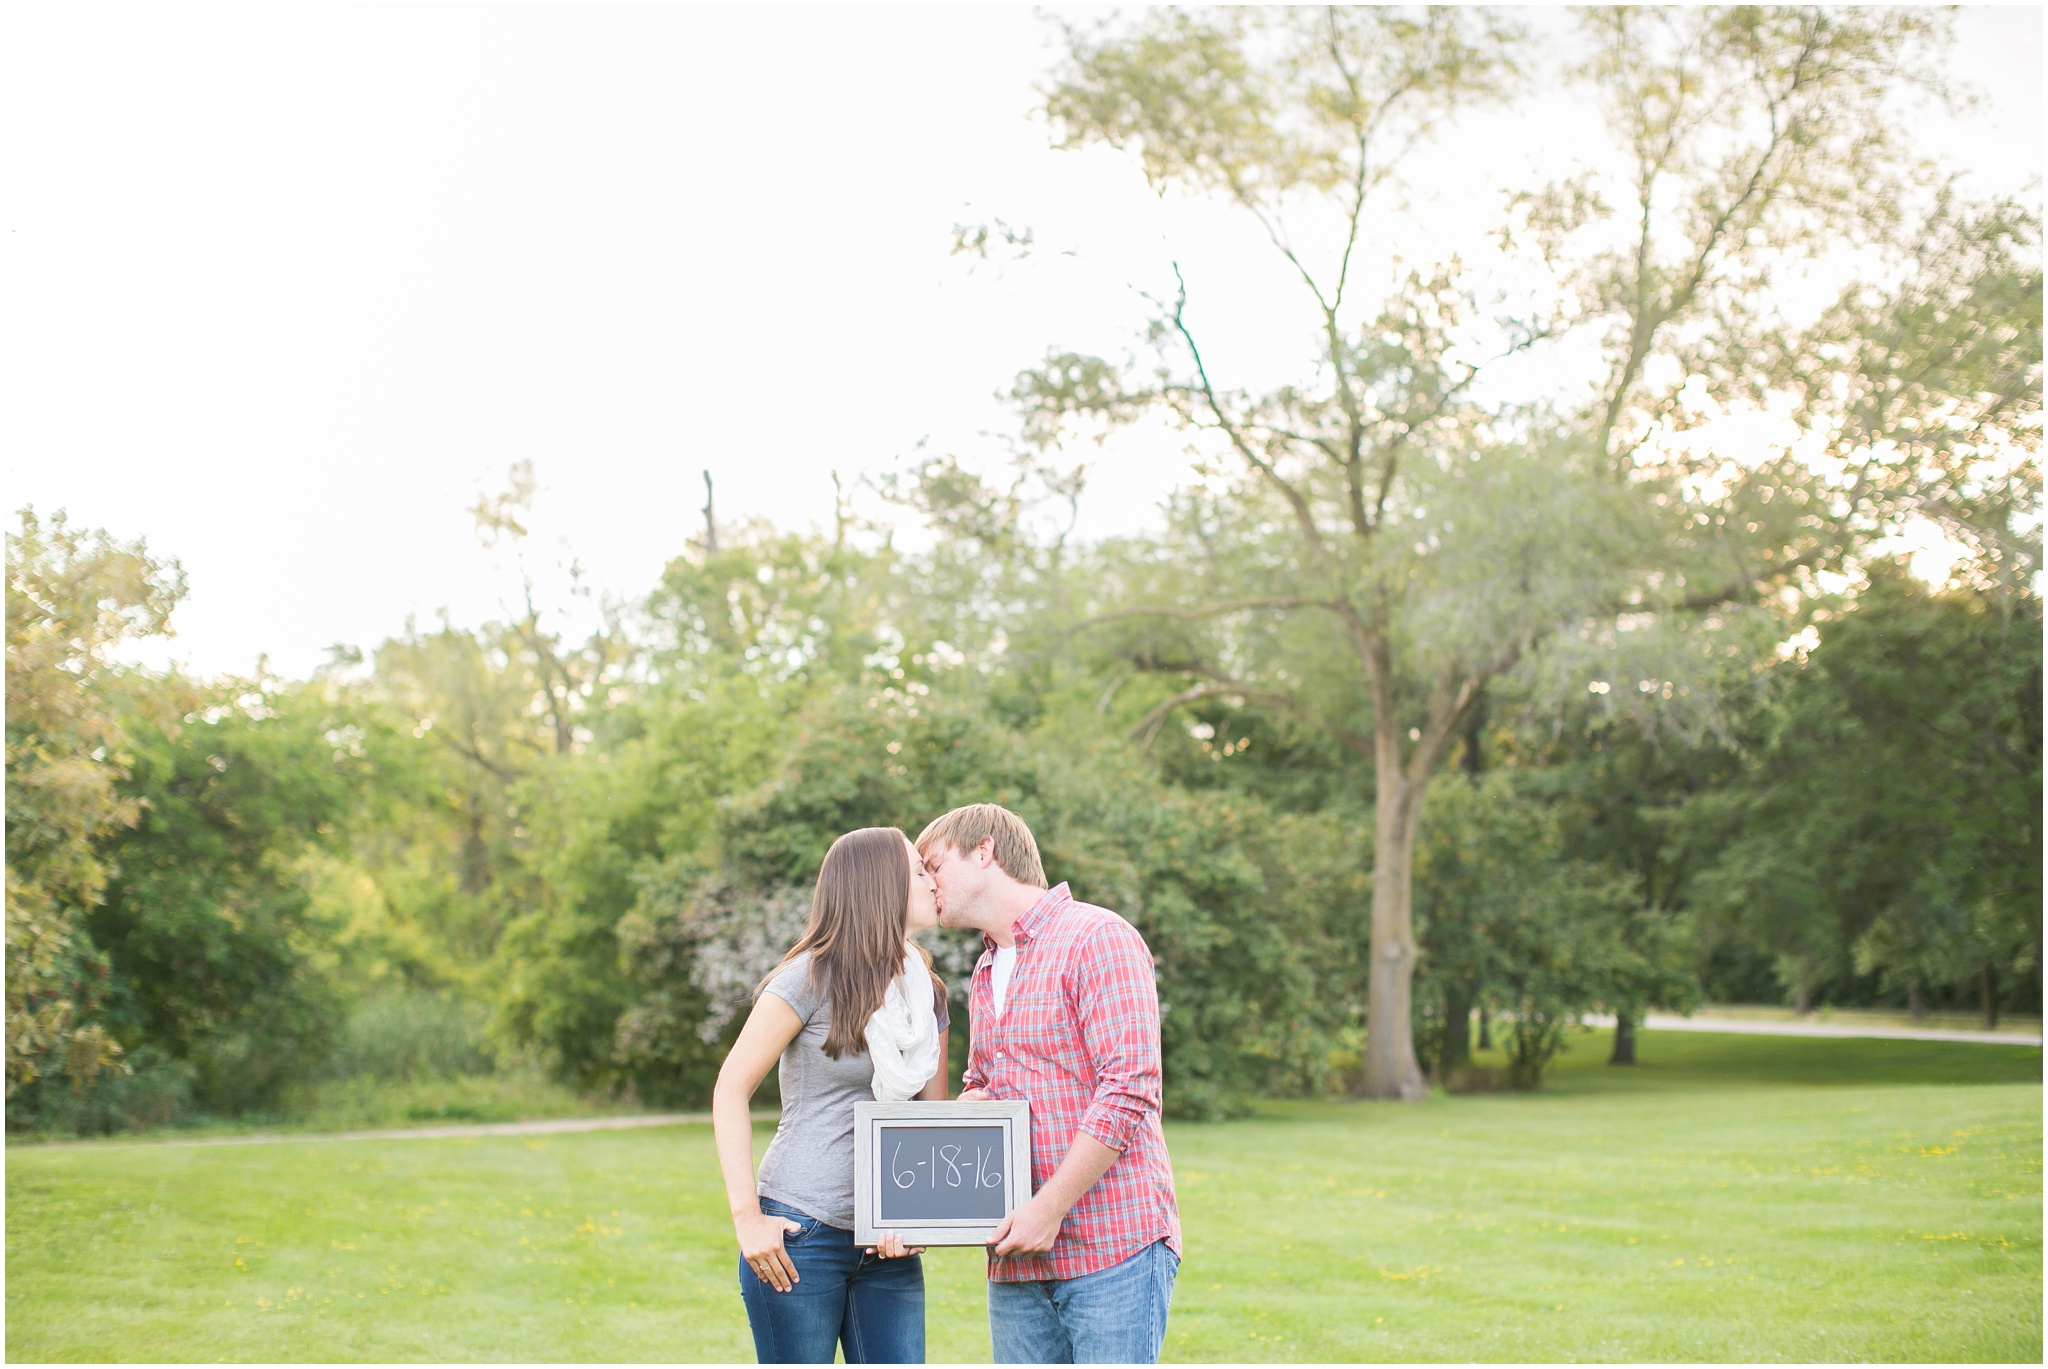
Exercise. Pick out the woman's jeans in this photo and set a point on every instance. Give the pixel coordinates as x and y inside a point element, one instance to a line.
<point>1113,1316</point>
<point>871,1307</point>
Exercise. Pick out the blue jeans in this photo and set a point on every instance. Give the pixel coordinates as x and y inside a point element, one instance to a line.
<point>868,1306</point>
<point>1113,1316</point>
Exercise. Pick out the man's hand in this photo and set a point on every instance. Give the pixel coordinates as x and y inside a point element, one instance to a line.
<point>1035,1225</point>
<point>1029,1230</point>
<point>976,1096</point>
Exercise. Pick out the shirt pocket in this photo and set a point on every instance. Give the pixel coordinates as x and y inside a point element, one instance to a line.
<point>1054,1047</point>
<point>1036,1019</point>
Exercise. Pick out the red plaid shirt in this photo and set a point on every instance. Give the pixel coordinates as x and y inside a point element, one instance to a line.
<point>1078,1039</point>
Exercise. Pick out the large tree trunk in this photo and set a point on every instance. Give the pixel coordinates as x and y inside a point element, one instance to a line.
<point>1485,1025</point>
<point>1624,1040</point>
<point>1916,1002</point>
<point>1990,988</point>
<point>1391,1070</point>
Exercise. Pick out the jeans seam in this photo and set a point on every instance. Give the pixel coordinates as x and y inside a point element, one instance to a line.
<point>1157,1327</point>
<point>856,1349</point>
<point>767,1315</point>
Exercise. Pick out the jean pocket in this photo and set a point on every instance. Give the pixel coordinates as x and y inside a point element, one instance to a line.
<point>807,1225</point>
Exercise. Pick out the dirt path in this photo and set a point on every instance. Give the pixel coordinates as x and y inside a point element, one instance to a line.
<point>552,1127</point>
<point>558,1126</point>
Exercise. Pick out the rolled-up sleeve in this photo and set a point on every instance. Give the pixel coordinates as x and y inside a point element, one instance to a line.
<point>1118,1002</point>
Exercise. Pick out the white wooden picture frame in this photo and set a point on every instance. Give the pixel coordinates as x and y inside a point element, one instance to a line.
<point>938,1173</point>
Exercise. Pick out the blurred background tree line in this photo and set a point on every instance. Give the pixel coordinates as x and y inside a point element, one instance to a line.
<point>1433,707</point>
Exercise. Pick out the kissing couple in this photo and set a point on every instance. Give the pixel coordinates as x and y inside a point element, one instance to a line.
<point>1063,1014</point>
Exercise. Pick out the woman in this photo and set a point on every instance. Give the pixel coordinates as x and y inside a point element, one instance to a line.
<point>853,1012</point>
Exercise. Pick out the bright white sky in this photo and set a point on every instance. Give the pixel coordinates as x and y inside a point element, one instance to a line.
<point>286,288</point>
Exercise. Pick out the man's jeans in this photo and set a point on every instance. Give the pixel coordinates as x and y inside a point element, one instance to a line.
<point>871,1307</point>
<point>1113,1316</point>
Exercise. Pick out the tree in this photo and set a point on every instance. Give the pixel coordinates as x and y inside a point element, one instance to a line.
<point>474,709</point>
<point>1508,916</point>
<point>1232,899</point>
<point>564,679</point>
<point>800,687</point>
<point>618,840</point>
<point>72,597</point>
<point>219,954</point>
<point>495,711</point>
<point>1379,541</point>
<point>1890,820</point>
<point>1625,796</point>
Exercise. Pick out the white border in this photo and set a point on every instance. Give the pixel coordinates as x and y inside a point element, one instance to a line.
<point>868,1119</point>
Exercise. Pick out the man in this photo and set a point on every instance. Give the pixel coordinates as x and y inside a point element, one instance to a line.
<point>1064,1014</point>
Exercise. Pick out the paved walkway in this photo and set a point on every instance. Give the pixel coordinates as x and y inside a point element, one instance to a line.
<point>1743,1026</point>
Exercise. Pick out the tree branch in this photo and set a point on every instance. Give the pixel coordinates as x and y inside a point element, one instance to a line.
<point>1303,514</point>
<point>1738,590</point>
<point>1190,615</point>
<point>471,752</point>
<point>1651,317</point>
<point>1148,726</point>
<point>1436,732</point>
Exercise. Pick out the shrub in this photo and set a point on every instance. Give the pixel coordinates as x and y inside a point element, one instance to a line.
<point>149,1089</point>
<point>404,1033</point>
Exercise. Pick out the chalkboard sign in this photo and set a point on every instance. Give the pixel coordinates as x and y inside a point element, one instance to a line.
<point>938,1173</point>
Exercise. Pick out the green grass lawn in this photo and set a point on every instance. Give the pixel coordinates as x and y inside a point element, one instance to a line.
<point>1735,1198</point>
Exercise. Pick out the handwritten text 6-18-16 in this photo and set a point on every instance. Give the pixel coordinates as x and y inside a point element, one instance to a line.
<point>947,1165</point>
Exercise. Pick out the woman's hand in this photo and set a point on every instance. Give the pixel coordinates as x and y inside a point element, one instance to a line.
<point>891,1247</point>
<point>770,1027</point>
<point>761,1247</point>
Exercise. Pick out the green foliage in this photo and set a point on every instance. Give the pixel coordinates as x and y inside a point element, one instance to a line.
<point>1233,900</point>
<point>1900,382</point>
<point>209,927</point>
<point>150,1089</point>
<point>403,1034</point>
<point>775,606</point>
<point>1385,502</point>
<point>593,824</point>
<point>1254,105</point>
<point>71,598</point>
<point>495,848</point>
<point>1888,819</point>
<point>696,954</point>
<point>1509,921</point>
<point>1385,536</point>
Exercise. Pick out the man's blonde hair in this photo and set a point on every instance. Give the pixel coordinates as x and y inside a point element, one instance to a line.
<point>966,828</point>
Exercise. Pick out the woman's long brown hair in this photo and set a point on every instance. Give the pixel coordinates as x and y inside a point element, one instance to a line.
<point>859,919</point>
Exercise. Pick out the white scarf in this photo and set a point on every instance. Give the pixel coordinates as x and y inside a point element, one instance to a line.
<point>903,1034</point>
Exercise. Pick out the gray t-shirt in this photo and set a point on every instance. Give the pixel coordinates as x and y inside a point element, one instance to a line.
<point>809,1164</point>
